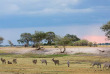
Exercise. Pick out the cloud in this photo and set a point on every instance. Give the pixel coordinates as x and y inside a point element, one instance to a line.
<point>81,31</point>
<point>54,11</point>
<point>41,7</point>
<point>9,9</point>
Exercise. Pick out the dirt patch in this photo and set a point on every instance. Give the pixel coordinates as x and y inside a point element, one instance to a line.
<point>92,50</point>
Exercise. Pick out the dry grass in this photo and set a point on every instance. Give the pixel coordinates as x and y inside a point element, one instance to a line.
<point>79,65</point>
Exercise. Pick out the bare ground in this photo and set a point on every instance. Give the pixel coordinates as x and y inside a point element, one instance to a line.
<point>92,50</point>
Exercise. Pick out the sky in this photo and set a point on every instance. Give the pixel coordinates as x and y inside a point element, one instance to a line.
<point>78,17</point>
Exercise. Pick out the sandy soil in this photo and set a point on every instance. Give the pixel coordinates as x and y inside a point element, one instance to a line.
<point>93,50</point>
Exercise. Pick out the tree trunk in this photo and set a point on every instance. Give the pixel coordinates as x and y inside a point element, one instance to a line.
<point>63,50</point>
<point>38,47</point>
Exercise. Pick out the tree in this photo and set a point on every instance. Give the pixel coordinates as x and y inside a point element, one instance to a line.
<point>62,41</point>
<point>95,44</point>
<point>90,44</point>
<point>73,38</point>
<point>106,29</point>
<point>11,44</point>
<point>1,40</point>
<point>25,38</point>
<point>37,37</point>
<point>84,42</point>
<point>50,37</point>
<point>81,43</point>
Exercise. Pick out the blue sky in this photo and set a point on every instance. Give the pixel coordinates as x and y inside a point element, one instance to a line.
<point>60,16</point>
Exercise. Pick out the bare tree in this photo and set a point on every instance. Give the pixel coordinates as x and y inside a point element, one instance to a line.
<point>11,44</point>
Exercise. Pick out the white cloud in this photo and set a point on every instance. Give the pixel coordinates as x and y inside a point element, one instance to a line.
<point>54,11</point>
<point>40,7</point>
<point>9,9</point>
<point>79,30</point>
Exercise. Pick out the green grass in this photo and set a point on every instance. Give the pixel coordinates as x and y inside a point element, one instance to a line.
<point>30,55</point>
<point>78,64</point>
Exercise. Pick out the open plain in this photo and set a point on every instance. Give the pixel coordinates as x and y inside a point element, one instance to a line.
<point>80,60</point>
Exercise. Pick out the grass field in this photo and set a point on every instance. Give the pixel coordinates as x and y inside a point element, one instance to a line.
<point>79,64</point>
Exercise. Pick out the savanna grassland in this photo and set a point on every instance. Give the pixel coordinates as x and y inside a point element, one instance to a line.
<point>80,63</point>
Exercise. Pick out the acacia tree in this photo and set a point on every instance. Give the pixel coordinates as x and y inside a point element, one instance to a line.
<point>11,44</point>
<point>106,29</point>
<point>50,37</point>
<point>81,43</point>
<point>25,38</point>
<point>73,38</point>
<point>90,44</point>
<point>38,37</point>
<point>1,40</point>
<point>62,41</point>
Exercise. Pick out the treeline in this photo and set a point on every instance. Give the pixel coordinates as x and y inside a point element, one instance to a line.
<point>49,38</point>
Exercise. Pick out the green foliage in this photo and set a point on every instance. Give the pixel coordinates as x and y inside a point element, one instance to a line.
<point>37,38</point>
<point>73,38</point>
<point>81,43</point>
<point>62,42</point>
<point>1,40</point>
<point>30,55</point>
<point>25,38</point>
<point>50,37</point>
<point>90,44</point>
<point>11,44</point>
<point>106,28</point>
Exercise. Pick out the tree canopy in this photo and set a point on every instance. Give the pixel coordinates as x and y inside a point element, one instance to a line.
<point>106,29</point>
<point>1,40</point>
<point>37,37</point>
<point>50,37</point>
<point>62,41</point>
<point>73,38</point>
<point>11,44</point>
<point>25,38</point>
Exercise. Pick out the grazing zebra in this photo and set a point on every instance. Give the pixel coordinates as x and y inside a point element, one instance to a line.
<point>96,63</point>
<point>3,61</point>
<point>9,62</point>
<point>44,61</point>
<point>106,65</point>
<point>68,63</point>
<point>34,61</point>
<point>15,61</point>
<point>55,61</point>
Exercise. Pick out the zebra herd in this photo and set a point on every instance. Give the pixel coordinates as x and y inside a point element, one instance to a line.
<point>9,62</point>
<point>45,61</point>
<point>106,65</point>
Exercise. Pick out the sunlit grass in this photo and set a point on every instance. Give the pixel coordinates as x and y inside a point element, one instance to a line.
<point>78,64</point>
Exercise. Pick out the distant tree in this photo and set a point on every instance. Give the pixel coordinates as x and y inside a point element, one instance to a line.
<point>62,41</point>
<point>84,42</point>
<point>73,38</point>
<point>81,43</point>
<point>1,40</point>
<point>11,44</point>
<point>106,29</point>
<point>95,44</point>
<point>38,37</point>
<point>90,44</point>
<point>50,37</point>
<point>25,38</point>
